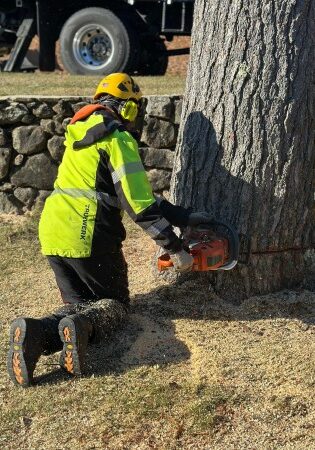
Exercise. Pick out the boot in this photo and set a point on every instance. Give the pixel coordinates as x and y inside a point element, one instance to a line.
<point>93,323</point>
<point>52,342</point>
<point>27,339</point>
<point>74,332</point>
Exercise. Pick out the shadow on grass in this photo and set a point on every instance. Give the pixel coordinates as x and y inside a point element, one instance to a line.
<point>149,338</point>
<point>144,340</point>
<point>56,376</point>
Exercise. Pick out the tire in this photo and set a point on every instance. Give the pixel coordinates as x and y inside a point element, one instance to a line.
<point>94,41</point>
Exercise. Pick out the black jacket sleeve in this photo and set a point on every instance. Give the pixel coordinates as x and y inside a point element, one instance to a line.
<point>176,215</point>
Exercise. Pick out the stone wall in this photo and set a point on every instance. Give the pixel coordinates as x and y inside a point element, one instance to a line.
<point>32,144</point>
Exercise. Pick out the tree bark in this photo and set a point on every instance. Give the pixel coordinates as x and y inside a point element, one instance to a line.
<point>246,142</point>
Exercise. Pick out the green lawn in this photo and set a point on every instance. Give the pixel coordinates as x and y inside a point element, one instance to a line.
<point>59,83</point>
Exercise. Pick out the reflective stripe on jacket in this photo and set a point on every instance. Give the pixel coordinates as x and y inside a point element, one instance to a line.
<point>100,175</point>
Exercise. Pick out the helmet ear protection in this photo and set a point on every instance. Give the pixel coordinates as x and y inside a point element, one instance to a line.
<point>128,110</point>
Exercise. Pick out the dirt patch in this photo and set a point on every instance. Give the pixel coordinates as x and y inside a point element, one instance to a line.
<point>178,65</point>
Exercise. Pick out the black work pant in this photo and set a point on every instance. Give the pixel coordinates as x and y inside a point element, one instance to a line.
<point>91,279</point>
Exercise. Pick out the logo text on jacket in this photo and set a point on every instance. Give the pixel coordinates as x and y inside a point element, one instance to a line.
<point>84,222</point>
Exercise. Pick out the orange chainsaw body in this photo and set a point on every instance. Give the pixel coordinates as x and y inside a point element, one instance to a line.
<point>208,255</point>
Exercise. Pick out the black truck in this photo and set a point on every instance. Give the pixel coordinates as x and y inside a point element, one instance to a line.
<point>96,36</point>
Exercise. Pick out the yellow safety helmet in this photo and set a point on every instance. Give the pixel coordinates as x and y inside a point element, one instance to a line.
<point>119,85</point>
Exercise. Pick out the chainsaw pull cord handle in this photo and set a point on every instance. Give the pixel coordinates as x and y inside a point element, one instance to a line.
<point>234,244</point>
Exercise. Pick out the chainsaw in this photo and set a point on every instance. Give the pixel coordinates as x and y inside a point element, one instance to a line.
<point>214,246</point>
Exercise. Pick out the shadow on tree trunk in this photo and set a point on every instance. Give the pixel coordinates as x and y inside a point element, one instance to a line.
<point>276,242</point>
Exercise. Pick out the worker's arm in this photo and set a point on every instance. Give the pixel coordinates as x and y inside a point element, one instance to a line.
<point>176,215</point>
<point>182,217</point>
<point>134,190</point>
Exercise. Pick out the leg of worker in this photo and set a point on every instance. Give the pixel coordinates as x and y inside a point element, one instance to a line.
<point>30,338</point>
<point>106,277</point>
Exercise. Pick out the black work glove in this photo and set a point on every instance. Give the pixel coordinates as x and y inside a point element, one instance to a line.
<point>197,218</point>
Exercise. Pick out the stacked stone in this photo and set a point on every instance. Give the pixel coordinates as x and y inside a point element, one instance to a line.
<point>158,139</point>
<point>32,145</point>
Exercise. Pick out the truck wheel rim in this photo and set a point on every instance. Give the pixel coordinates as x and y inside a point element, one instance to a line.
<point>93,46</point>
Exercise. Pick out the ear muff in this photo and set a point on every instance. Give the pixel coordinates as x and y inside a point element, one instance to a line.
<point>128,110</point>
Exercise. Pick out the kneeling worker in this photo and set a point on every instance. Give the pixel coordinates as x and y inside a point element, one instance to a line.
<point>81,232</point>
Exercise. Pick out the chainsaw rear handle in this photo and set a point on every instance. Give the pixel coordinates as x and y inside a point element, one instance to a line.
<point>165,262</point>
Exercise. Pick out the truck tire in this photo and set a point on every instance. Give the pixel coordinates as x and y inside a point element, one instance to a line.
<point>94,41</point>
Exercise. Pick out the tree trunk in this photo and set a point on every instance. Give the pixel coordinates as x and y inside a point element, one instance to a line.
<point>246,141</point>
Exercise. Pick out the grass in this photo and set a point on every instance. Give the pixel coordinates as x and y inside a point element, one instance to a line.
<point>188,371</point>
<point>63,84</point>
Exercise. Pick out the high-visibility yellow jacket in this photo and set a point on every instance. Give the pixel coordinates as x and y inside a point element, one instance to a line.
<point>100,175</point>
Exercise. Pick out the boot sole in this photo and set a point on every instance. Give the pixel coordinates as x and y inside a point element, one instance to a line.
<point>69,357</point>
<point>15,361</point>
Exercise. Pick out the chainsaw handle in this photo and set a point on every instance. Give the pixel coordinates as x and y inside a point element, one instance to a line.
<point>165,262</point>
